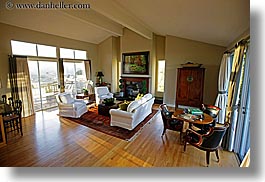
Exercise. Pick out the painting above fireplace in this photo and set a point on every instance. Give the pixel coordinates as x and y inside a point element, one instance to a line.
<point>135,63</point>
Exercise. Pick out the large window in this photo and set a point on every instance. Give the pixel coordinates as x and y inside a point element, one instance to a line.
<point>161,75</point>
<point>74,76</point>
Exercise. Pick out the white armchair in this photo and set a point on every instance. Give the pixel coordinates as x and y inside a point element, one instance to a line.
<point>102,93</point>
<point>70,107</point>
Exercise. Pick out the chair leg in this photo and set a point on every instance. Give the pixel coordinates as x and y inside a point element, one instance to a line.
<point>217,155</point>
<point>164,131</point>
<point>180,135</point>
<point>20,126</point>
<point>185,143</point>
<point>5,132</point>
<point>17,125</point>
<point>207,157</point>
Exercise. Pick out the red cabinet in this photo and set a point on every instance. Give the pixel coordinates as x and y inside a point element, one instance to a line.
<point>190,83</point>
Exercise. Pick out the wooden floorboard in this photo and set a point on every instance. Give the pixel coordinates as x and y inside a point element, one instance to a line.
<point>51,141</point>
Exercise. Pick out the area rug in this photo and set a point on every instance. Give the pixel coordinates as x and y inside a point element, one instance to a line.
<point>101,123</point>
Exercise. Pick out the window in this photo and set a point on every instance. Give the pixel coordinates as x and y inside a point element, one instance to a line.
<point>72,54</point>
<point>67,53</point>
<point>161,75</point>
<point>23,48</point>
<point>30,49</point>
<point>74,76</point>
<point>46,51</point>
<point>80,54</point>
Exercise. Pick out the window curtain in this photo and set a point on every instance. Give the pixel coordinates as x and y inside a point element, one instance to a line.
<point>88,69</point>
<point>234,96</point>
<point>20,83</point>
<point>242,138</point>
<point>223,83</point>
<point>61,75</point>
<point>89,84</point>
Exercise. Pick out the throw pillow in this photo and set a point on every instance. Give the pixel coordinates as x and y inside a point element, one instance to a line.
<point>148,96</point>
<point>123,106</point>
<point>139,96</point>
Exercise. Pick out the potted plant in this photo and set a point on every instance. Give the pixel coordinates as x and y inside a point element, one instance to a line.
<point>144,89</point>
<point>121,86</point>
<point>108,101</point>
<point>85,91</point>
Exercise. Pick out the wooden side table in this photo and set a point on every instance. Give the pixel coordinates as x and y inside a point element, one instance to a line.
<point>82,96</point>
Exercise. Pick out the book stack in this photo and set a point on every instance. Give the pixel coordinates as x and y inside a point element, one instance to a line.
<point>196,112</point>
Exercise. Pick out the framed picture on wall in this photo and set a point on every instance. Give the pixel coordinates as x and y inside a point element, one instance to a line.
<point>135,63</point>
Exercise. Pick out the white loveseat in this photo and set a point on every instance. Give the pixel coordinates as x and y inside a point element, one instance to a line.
<point>70,107</point>
<point>136,112</point>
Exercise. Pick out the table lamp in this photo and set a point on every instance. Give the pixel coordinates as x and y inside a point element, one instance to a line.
<point>100,75</point>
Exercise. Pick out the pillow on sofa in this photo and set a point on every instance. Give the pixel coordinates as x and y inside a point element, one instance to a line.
<point>123,106</point>
<point>133,105</point>
<point>148,96</point>
<point>67,99</point>
<point>139,96</point>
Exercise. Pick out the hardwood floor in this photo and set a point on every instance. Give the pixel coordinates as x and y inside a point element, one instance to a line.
<point>52,141</point>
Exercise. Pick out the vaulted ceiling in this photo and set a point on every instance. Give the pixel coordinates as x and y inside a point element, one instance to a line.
<point>217,22</point>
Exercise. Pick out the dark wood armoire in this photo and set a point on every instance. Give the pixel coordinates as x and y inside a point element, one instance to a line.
<point>190,83</point>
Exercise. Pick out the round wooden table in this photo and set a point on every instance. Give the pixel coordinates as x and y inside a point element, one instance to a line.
<point>178,114</point>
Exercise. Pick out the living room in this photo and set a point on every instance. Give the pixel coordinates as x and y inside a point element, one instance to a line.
<point>106,56</point>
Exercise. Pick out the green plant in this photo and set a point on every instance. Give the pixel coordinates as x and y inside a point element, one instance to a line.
<point>144,89</point>
<point>85,91</point>
<point>108,101</point>
<point>121,86</point>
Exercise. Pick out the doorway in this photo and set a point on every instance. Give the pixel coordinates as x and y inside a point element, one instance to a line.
<point>44,83</point>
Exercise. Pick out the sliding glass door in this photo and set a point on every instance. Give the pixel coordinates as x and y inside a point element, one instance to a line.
<point>74,76</point>
<point>44,83</point>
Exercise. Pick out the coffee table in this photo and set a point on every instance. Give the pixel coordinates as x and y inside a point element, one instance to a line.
<point>104,109</point>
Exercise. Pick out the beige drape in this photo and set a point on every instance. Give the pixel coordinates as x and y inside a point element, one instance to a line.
<point>24,86</point>
<point>88,69</point>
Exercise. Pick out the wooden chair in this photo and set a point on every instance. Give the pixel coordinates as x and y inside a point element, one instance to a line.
<point>12,121</point>
<point>169,122</point>
<point>209,142</point>
<point>4,98</point>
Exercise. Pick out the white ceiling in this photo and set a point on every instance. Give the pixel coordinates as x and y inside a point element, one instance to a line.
<point>217,22</point>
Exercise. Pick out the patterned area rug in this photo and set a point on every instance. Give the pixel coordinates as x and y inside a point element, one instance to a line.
<point>101,123</point>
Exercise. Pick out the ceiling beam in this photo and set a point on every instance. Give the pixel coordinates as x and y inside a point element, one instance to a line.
<point>95,19</point>
<point>117,13</point>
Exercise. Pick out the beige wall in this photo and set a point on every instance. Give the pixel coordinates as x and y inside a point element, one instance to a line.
<point>160,55</point>
<point>133,42</point>
<point>105,59</point>
<point>179,51</point>
<point>108,54</point>
<point>9,33</point>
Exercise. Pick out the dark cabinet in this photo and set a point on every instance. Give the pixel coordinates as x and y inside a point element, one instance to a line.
<point>190,83</point>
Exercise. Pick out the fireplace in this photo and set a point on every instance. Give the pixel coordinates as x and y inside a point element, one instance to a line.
<point>135,85</point>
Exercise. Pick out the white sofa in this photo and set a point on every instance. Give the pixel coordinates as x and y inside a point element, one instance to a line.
<point>70,107</point>
<point>136,112</point>
<point>102,93</point>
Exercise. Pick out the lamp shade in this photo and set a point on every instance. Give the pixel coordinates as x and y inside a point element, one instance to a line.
<point>100,74</point>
